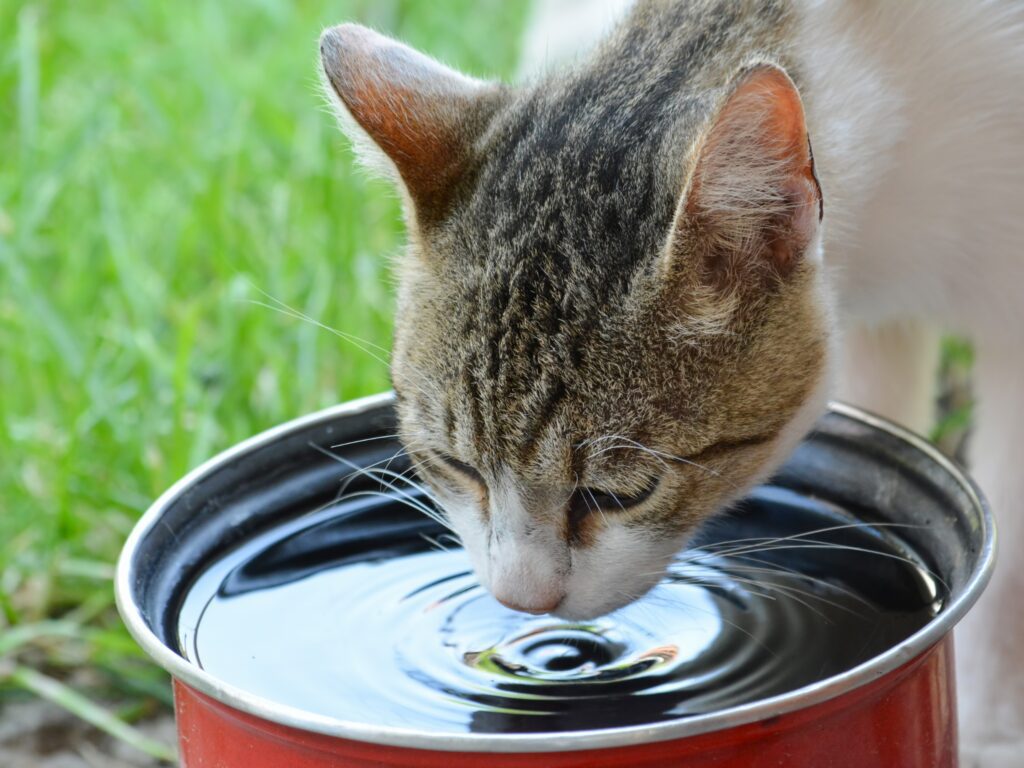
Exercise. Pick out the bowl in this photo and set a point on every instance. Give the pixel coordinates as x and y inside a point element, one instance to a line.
<point>896,707</point>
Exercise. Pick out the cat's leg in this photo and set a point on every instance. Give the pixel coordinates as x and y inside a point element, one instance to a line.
<point>892,370</point>
<point>990,640</point>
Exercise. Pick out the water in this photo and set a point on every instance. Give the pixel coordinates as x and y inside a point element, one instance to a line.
<point>352,612</point>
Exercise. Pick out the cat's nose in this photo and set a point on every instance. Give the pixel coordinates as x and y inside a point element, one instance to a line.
<point>545,604</point>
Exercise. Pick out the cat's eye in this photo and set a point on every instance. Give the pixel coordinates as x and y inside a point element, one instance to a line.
<point>466,470</point>
<point>585,501</point>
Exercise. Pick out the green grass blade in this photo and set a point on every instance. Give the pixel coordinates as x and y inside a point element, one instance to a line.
<point>67,697</point>
<point>28,76</point>
<point>17,637</point>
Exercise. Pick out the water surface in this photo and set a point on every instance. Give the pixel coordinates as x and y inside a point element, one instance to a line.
<point>353,612</point>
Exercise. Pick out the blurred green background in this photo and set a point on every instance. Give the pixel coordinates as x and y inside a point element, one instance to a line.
<point>166,171</point>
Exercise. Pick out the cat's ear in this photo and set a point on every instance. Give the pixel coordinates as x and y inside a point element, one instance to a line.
<point>408,115</point>
<point>753,203</point>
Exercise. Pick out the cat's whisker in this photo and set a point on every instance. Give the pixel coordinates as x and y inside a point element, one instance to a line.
<point>436,541</point>
<point>403,501</point>
<point>717,615</point>
<point>364,345</point>
<point>299,314</point>
<point>695,582</point>
<point>403,494</point>
<point>814,544</point>
<point>404,453</point>
<point>830,528</point>
<point>589,493</point>
<point>792,592</point>
<point>392,436</point>
<point>295,315</point>
<point>758,589</point>
<point>365,468</point>
<point>771,568</point>
<point>383,472</point>
<point>381,475</point>
<point>697,554</point>
<point>666,459</point>
<point>678,575</point>
<point>727,548</point>
<point>453,537</point>
<point>358,469</point>
<point>428,459</point>
<point>434,510</point>
<point>356,341</point>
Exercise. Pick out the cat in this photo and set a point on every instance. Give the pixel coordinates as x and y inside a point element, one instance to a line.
<point>632,283</point>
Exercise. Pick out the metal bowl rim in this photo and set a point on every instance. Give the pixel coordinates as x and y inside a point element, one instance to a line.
<point>808,696</point>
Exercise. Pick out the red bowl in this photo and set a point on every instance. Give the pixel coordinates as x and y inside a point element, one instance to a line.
<point>896,710</point>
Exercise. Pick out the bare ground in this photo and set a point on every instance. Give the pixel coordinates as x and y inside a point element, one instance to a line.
<point>37,734</point>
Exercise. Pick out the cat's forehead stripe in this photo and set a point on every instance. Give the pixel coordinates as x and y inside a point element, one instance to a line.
<point>539,418</point>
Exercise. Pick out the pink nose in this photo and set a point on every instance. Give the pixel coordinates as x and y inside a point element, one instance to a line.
<point>544,605</point>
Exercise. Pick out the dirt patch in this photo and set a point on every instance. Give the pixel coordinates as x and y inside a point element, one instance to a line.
<point>36,734</point>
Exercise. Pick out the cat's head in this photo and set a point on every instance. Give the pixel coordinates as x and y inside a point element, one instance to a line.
<point>611,317</point>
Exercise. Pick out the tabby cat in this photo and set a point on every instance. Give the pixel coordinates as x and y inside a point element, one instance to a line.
<point>632,282</point>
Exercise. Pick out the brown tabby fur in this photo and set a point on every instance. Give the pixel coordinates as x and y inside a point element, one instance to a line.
<point>563,289</point>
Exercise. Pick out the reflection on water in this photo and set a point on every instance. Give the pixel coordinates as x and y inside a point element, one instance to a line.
<point>352,613</point>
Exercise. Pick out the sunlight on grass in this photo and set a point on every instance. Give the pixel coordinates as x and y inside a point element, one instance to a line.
<point>164,169</point>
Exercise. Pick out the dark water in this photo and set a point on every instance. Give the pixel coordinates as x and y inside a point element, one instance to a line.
<point>352,613</point>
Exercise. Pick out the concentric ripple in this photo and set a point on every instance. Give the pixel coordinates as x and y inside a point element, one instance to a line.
<point>352,614</point>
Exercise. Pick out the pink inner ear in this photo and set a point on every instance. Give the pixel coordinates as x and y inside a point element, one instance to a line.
<point>413,108</point>
<point>754,188</point>
<point>785,117</point>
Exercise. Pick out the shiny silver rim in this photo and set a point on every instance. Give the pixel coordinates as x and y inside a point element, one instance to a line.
<point>805,697</point>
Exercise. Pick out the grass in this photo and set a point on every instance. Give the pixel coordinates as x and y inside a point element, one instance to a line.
<point>162,166</point>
